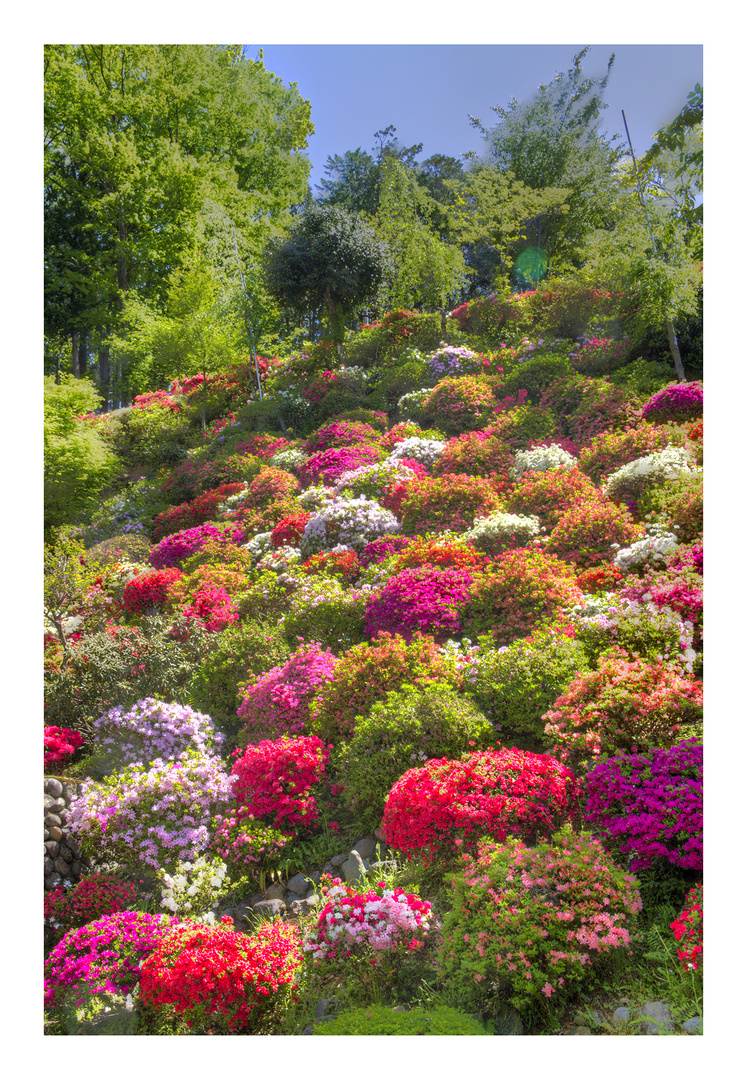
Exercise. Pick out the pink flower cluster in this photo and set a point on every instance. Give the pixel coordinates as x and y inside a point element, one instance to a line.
<point>422,599</point>
<point>677,402</point>
<point>212,607</point>
<point>59,746</point>
<point>174,549</point>
<point>278,702</point>
<point>327,466</point>
<point>275,778</point>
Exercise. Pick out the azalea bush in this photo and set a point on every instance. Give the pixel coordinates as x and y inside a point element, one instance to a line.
<point>600,355</point>
<point>688,931</point>
<point>502,531</point>
<point>448,503</point>
<point>527,922</point>
<point>550,494</point>
<point>247,846</point>
<point>628,483</point>
<point>173,550</point>
<point>91,898</point>
<point>193,887</point>
<point>276,780</point>
<point>278,702</point>
<point>60,745</point>
<point>323,610</point>
<point>422,599</point>
<point>221,981</point>
<point>643,629</point>
<point>649,806</point>
<point>611,450</point>
<point>441,810</point>
<point>149,590</point>
<point>677,402</point>
<point>353,522</point>
<point>340,432</point>
<point>327,466</point>
<point>678,505</point>
<point>459,404</point>
<point>476,453</point>
<point>589,534</point>
<point>542,458</point>
<point>341,563</point>
<point>151,729</point>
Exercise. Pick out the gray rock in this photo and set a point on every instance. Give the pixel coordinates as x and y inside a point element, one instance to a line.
<point>269,908</point>
<point>322,1008</point>
<point>579,1029</point>
<point>55,834</point>
<point>53,787</point>
<point>301,907</point>
<point>620,1016</point>
<point>328,868</point>
<point>693,1026</point>
<point>660,1018</point>
<point>52,880</point>
<point>275,891</point>
<point>589,1019</point>
<point>299,885</point>
<point>508,1022</point>
<point>48,867</point>
<point>76,867</point>
<point>52,848</point>
<point>338,860</point>
<point>365,847</point>
<point>66,853</point>
<point>61,867</point>
<point>51,819</point>
<point>354,868</point>
<point>293,898</point>
<point>49,802</point>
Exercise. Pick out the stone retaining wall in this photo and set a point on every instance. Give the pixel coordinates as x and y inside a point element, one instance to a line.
<point>62,856</point>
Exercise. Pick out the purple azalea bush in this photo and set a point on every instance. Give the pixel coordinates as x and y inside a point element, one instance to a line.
<point>676,402</point>
<point>153,729</point>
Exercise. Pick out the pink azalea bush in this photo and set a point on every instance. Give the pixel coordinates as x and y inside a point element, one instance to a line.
<point>174,549</point>
<point>677,402</point>
<point>278,702</point>
<point>59,746</point>
<point>425,599</point>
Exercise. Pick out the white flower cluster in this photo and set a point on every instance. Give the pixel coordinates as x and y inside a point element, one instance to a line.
<point>230,505</point>
<point>411,405</point>
<point>651,551</point>
<point>259,545</point>
<point>371,480</point>
<point>632,479</point>
<point>425,451</point>
<point>542,459</point>
<point>492,532</point>
<point>314,497</point>
<point>289,459</point>
<point>280,559</point>
<point>193,887</point>
<point>352,522</point>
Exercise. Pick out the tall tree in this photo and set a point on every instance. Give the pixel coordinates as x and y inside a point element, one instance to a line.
<point>354,178</point>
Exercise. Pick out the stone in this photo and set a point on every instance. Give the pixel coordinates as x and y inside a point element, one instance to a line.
<point>508,1022</point>
<point>659,1018</point>
<point>52,819</point>
<point>53,786</point>
<point>299,885</point>
<point>75,868</point>
<point>693,1026</point>
<point>579,1029</point>
<point>57,806</point>
<point>588,1019</point>
<point>52,881</point>
<point>48,867</point>
<point>301,907</point>
<point>55,833</point>
<point>354,868</point>
<point>322,1008</point>
<point>621,1016</point>
<point>275,891</point>
<point>52,848</point>
<point>66,853</point>
<point>61,867</point>
<point>49,802</point>
<point>270,908</point>
<point>338,860</point>
<point>365,847</point>
<point>72,843</point>
<point>385,866</point>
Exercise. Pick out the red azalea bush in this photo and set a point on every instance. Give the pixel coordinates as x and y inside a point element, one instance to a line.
<point>185,587</point>
<point>366,673</point>
<point>475,453</point>
<point>688,930</point>
<point>585,535</point>
<point>599,579</point>
<point>423,598</point>
<point>394,496</point>
<point>441,810</point>
<point>278,702</point>
<point>522,590</point>
<point>448,503</point>
<point>158,399</point>
<point>650,806</point>
<point>275,780</point>
<point>612,449</point>
<point>149,590</point>
<point>459,404</point>
<point>187,480</point>
<point>202,508</point>
<point>550,494</point>
<point>437,551</point>
<point>677,402</point>
<point>92,897</point>
<point>624,704</point>
<point>60,743</point>
<point>694,433</point>
<point>327,466</point>
<point>289,530</point>
<point>222,981</point>
<point>337,433</point>
<point>213,607</point>
<point>342,565</point>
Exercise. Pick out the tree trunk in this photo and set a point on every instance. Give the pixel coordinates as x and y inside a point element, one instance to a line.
<point>83,354</point>
<point>204,394</point>
<point>104,373</point>
<point>675,351</point>
<point>75,355</point>
<point>443,319</point>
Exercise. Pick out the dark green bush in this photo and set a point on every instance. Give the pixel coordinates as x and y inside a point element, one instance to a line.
<point>127,546</point>
<point>381,1020</point>
<point>401,732</point>
<point>535,375</point>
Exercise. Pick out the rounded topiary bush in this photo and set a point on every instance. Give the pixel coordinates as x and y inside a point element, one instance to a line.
<point>151,729</point>
<point>459,404</point>
<point>383,1020</point>
<point>677,402</point>
<point>533,923</point>
<point>586,534</point>
<point>423,599</point>
<point>441,810</point>
<point>409,726</point>
<point>278,702</point>
<point>277,780</point>
<point>535,374</point>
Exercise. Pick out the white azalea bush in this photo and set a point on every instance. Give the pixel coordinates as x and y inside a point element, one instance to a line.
<point>426,451</point>
<point>349,521</point>
<point>652,551</point>
<point>194,887</point>
<point>499,531</point>
<point>410,406</point>
<point>542,459</point>
<point>259,545</point>
<point>314,497</point>
<point>372,480</point>
<point>290,459</point>
<point>280,559</point>
<point>643,629</point>
<point>629,482</point>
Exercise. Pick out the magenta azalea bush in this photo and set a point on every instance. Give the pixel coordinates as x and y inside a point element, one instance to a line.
<point>677,402</point>
<point>174,549</point>
<point>650,806</point>
<point>422,599</point>
<point>278,702</point>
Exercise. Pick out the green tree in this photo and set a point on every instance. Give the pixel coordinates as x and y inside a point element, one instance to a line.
<point>66,578</point>
<point>330,264</point>
<point>77,464</point>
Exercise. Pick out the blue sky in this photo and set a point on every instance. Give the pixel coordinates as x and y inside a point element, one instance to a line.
<point>429,91</point>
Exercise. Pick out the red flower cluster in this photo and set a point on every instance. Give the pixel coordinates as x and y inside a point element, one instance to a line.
<point>688,928</point>
<point>289,530</point>
<point>342,565</point>
<point>445,807</point>
<point>149,590</point>
<point>60,743</point>
<point>93,896</point>
<point>275,780</point>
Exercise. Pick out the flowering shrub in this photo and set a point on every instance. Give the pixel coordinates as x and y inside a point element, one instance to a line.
<point>152,729</point>
<point>172,520</point>
<point>585,535</point>
<point>523,590</point>
<point>399,432</point>
<point>501,531</point>
<point>651,551</point>
<point>213,608</point>
<point>550,494</point>
<point>247,845</point>
<point>193,887</point>
<point>459,404</point>
<point>222,981</point>
<point>534,372</point>
<point>644,630</point>
<point>515,686</point>
<point>526,423</point>
<point>374,480</point>
<point>352,522</point>
<point>650,806</point>
<point>174,549</point>
<point>602,407</point>
<point>59,746</point>
<point>600,356</point>
<point>155,816</point>
<point>323,610</point>
<point>278,702</point>
<point>424,599</point>
<point>688,929</point>
<point>149,590</point>
<point>628,483</point>
<point>378,550</point>
<point>533,921</point>
<point>289,530</point>
<point>441,551</point>
<point>406,728</point>
<point>328,466</point>
<point>677,402</point>
<point>263,445</point>
<point>291,459</point>
<point>276,779</point>
<point>422,449</point>
<point>599,579</point>
<point>187,480</point>
<point>366,673</point>
<point>451,502</point>
<point>341,563</point>
<point>623,704</point>
<point>475,453</point>
<point>542,458</point>
<point>680,590</point>
<point>90,898</point>
<point>102,958</point>
<point>337,433</point>
<point>611,450</point>
<point>453,360</point>
<point>443,809</point>
<point>678,505</point>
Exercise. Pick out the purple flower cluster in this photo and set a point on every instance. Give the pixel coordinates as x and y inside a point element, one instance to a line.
<point>153,729</point>
<point>340,433</point>
<point>677,402</point>
<point>278,703</point>
<point>157,816</point>
<point>453,360</point>
<point>382,547</point>
<point>102,957</point>
<point>328,465</point>
<point>428,599</point>
<point>174,549</point>
<point>651,805</point>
